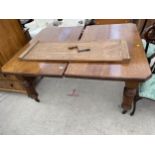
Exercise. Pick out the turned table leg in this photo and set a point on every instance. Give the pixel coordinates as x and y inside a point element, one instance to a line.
<point>27,83</point>
<point>129,94</point>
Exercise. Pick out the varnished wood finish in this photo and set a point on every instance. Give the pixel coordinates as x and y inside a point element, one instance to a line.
<point>132,73</point>
<point>111,21</point>
<point>11,39</point>
<point>26,52</point>
<point>100,51</point>
<point>136,69</point>
<point>129,94</point>
<point>51,34</point>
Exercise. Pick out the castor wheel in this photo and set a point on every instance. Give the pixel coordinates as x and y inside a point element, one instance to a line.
<point>124,111</point>
<point>37,100</point>
<point>132,113</point>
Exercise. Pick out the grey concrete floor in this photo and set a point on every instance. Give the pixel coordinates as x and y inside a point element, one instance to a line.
<point>96,110</point>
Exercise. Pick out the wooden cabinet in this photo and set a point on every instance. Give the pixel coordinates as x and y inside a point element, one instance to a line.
<point>12,39</point>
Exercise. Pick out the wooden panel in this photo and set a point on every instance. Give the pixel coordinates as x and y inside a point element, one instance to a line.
<point>51,34</point>
<point>111,21</point>
<point>138,67</point>
<point>7,77</point>
<point>101,51</point>
<point>12,38</point>
<point>12,86</point>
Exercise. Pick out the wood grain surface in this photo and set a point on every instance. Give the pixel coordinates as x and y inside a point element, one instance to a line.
<point>112,21</point>
<point>138,67</point>
<point>99,51</point>
<point>50,34</point>
<point>12,39</point>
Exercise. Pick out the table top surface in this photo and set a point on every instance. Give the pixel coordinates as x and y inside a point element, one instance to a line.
<point>137,69</point>
<point>53,34</point>
<point>100,51</point>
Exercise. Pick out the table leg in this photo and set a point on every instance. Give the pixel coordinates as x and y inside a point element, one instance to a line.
<point>28,84</point>
<point>129,94</point>
<point>136,99</point>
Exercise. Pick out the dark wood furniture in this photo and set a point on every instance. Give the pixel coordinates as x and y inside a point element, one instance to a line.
<point>131,73</point>
<point>149,36</point>
<point>142,24</point>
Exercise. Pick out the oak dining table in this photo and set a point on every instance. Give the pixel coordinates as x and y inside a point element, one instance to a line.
<point>132,73</point>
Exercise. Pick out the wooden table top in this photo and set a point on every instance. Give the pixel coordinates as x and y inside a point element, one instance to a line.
<point>101,51</point>
<point>51,34</point>
<point>136,69</point>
